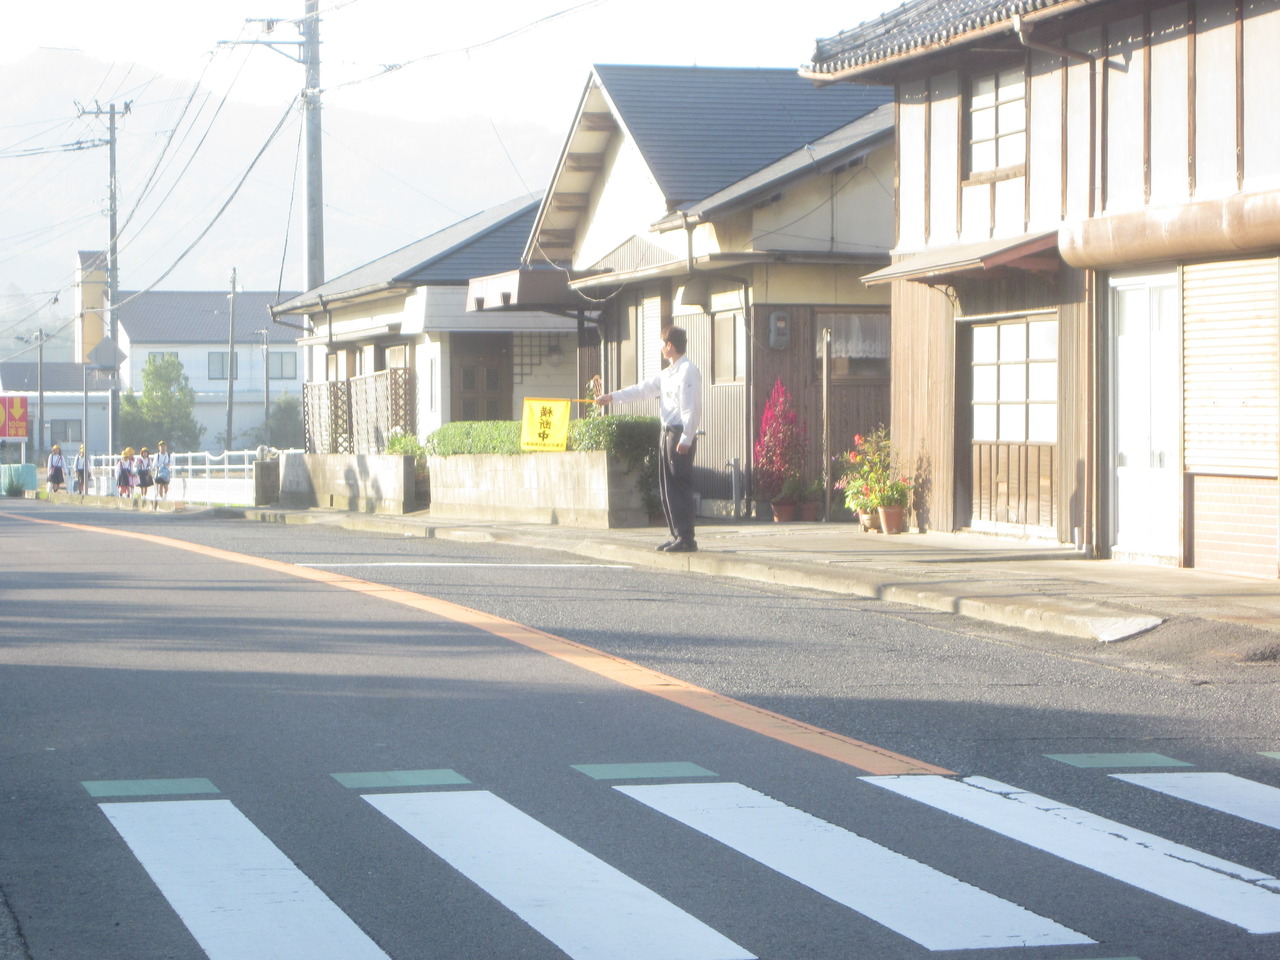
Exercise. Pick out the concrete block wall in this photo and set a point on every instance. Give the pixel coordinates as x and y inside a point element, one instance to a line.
<point>361,483</point>
<point>577,489</point>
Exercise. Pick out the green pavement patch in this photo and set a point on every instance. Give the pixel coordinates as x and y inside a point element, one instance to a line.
<point>1117,760</point>
<point>1273,754</point>
<point>148,788</point>
<point>400,778</point>
<point>642,771</point>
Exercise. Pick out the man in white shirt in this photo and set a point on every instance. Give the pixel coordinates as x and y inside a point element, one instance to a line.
<point>678,387</point>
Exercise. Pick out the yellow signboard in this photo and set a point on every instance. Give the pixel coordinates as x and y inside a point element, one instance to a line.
<point>545,425</point>
<point>13,418</point>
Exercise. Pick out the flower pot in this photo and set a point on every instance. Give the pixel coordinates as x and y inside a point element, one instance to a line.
<point>784,511</point>
<point>870,521</point>
<point>891,519</point>
<point>810,510</point>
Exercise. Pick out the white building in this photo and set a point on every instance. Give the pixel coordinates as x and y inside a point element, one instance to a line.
<point>195,327</point>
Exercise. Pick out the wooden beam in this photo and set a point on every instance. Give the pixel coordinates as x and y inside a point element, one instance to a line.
<point>603,122</point>
<point>556,238</point>
<point>570,201</point>
<point>585,161</point>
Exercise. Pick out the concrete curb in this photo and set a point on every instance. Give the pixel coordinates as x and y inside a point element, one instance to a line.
<point>1081,619</point>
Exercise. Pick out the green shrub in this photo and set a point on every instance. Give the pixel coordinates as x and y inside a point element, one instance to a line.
<point>407,445</point>
<point>475,436</point>
<point>631,440</point>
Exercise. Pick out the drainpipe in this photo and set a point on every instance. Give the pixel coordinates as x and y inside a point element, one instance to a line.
<point>1086,543</point>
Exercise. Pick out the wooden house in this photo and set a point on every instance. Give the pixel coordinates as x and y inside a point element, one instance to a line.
<point>1085,278</point>
<point>744,205</point>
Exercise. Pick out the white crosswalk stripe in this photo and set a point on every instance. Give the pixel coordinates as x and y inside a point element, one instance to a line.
<point>240,896</point>
<point>1219,791</point>
<point>237,893</point>
<point>936,911</point>
<point>1212,886</point>
<point>587,908</point>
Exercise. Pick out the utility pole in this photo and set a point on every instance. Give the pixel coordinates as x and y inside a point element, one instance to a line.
<point>38,338</point>
<point>113,267</point>
<point>315,174</point>
<point>266,386</point>
<point>231,357</point>
<point>308,54</point>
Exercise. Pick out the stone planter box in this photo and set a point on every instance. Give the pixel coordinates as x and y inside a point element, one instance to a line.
<point>575,489</point>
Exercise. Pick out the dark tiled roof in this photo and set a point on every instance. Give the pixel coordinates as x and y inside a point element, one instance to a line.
<point>59,377</point>
<point>184,316</point>
<point>919,24</point>
<point>701,129</point>
<point>851,140</point>
<point>488,242</point>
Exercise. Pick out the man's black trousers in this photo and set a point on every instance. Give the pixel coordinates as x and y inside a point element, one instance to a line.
<point>675,481</point>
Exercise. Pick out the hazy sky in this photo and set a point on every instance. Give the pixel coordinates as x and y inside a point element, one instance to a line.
<point>476,114</point>
<point>462,67</point>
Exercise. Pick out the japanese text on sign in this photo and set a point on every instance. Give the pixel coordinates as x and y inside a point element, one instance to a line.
<point>13,418</point>
<point>545,425</point>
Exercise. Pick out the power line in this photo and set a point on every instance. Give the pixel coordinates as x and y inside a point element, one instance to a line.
<point>55,148</point>
<point>531,25</point>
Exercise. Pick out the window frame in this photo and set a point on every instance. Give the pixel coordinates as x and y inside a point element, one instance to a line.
<point>280,356</point>
<point>1002,385</point>
<point>971,173</point>
<point>222,355</point>
<point>60,432</point>
<point>824,319</point>
<point>728,347</point>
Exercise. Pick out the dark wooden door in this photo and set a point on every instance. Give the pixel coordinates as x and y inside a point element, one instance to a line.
<point>481,376</point>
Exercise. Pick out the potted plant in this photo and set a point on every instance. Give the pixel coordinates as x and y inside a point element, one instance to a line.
<point>779,454</point>
<point>811,499</point>
<point>871,485</point>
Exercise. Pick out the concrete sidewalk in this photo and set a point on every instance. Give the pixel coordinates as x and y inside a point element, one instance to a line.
<point>1033,586</point>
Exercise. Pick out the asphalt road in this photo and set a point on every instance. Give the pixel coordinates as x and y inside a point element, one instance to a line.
<point>487,802</point>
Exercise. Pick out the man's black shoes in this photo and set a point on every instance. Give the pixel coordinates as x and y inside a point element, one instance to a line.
<point>683,546</point>
<point>666,546</point>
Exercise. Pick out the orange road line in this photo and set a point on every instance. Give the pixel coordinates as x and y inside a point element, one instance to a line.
<point>834,746</point>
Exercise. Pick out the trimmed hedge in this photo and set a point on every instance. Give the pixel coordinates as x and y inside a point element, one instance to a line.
<point>629,439</point>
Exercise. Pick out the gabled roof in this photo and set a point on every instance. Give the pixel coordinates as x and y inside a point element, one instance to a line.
<point>838,148</point>
<point>488,242</point>
<point>700,129</point>
<point>919,25</point>
<point>199,316</point>
<point>59,377</point>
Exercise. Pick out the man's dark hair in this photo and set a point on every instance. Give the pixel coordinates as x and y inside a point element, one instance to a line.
<point>676,337</point>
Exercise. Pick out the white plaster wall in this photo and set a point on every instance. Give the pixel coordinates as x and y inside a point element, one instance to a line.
<point>1044,147</point>
<point>626,205</point>
<point>1215,101</point>
<point>1125,66</point>
<point>846,212</point>
<point>558,380</point>
<point>944,159</point>
<point>1169,117</point>
<point>911,166</point>
<point>428,369</point>
<point>1262,81</point>
<point>446,309</point>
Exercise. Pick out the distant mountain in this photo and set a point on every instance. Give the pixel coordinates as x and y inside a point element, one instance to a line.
<point>386,183</point>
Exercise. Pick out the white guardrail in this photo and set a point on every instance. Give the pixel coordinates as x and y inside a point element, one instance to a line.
<point>203,477</point>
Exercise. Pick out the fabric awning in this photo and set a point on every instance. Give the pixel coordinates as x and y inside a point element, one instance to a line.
<point>1033,252</point>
